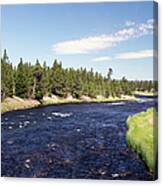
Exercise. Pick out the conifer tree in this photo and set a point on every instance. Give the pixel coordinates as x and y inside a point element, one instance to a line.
<point>38,91</point>
<point>21,81</point>
<point>7,77</point>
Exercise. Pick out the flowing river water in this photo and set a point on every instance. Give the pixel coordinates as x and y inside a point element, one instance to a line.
<point>82,140</point>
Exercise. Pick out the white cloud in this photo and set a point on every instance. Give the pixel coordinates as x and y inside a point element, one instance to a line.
<point>146,28</point>
<point>135,55</point>
<point>93,43</point>
<point>102,58</point>
<point>129,23</point>
<point>84,45</point>
<point>150,21</point>
<point>128,55</point>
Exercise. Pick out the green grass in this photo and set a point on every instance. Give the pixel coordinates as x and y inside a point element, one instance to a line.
<point>142,136</point>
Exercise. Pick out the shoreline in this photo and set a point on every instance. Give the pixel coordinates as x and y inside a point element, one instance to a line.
<point>140,136</point>
<point>141,93</point>
<point>16,103</point>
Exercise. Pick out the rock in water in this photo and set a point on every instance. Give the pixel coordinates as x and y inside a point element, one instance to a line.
<point>27,163</point>
<point>115,175</point>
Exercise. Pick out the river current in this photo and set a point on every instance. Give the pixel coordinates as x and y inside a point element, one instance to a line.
<point>74,140</point>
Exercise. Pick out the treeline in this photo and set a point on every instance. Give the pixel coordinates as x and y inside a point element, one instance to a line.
<point>34,81</point>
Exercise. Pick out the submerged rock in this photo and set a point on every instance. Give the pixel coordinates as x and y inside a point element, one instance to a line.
<point>50,161</point>
<point>116,175</point>
<point>102,171</point>
<point>49,118</point>
<point>20,126</point>
<point>68,161</point>
<point>10,142</point>
<point>62,115</point>
<point>27,160</point>
<point>124,174</point>
<point>78,129</point>
<point>27,163</point>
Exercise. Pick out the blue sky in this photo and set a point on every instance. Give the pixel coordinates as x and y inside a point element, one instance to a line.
<point>98,36</point>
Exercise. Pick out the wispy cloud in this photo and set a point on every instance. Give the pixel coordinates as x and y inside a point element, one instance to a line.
<point>102,58</point>
<point>129,23</point>
<point>84,45</point>
<point>128,55</point>
<point>135,55</point>
<point>94,43</point>
<point>146,28</point>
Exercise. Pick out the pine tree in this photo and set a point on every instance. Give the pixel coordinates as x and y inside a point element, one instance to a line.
<point>110,72</point>
<point>21,81</point>
<point>38,91</point>
<point>7,77</point>
<point>45,79</point>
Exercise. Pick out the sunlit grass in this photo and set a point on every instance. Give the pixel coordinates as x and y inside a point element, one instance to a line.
<point>141,93</point>
<point>16,103</point>
<point>60,101</point>
<point>142,136</point>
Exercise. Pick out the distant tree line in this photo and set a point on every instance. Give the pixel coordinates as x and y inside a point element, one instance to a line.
<point>34,81</point>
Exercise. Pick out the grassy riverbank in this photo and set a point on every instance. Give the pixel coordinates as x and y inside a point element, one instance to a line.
<point>141,93</point>
<point>60,101</point>
<point>142,136</point>
<point>17,103</point>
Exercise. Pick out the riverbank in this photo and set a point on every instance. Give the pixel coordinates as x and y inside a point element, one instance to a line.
<point>142,136</point>
<point>88,99</point>
<point>17,103</point>
<point>141,93</point>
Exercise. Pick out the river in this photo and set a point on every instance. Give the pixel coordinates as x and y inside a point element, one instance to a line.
<point>74,140</point>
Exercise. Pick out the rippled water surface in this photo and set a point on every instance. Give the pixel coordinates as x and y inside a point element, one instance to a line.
<point>83,140</point>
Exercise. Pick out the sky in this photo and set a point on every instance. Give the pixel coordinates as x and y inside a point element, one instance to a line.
<point>92,35</point>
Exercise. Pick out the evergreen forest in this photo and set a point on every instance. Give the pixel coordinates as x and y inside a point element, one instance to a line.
<point>28,80</point>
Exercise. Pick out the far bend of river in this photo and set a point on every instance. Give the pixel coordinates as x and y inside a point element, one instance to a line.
<point>82,140</point>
